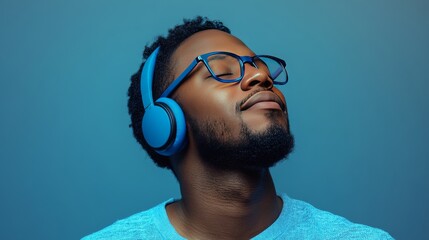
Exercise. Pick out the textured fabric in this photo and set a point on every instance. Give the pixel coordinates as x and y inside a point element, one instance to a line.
<point>298,220</point>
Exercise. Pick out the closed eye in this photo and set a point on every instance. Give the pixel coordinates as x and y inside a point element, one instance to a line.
<point>224,74</point>
<point>219,75</point>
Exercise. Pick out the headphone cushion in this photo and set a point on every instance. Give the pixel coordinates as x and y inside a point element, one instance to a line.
<point>164,127</point>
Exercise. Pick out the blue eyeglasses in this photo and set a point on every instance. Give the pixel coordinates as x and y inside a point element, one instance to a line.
<point>228,67</point>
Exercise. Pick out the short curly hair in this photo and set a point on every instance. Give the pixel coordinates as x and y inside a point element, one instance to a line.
<point>162,75</point>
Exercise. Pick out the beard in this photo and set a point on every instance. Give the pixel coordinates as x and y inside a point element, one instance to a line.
<point>250,151</point>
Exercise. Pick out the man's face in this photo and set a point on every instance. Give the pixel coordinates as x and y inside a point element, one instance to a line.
<point>233,125</point>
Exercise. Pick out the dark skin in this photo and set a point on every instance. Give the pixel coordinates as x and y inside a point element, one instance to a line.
<point>217,203</point>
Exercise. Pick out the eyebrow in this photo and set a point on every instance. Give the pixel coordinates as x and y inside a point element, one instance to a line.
<point>217,57</point>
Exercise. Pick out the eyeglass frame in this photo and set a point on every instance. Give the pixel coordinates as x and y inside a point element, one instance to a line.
<point>241,59</point>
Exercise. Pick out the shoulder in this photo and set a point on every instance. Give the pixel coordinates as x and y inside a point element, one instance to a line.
<point>307,218</point>
<point>143,225</point>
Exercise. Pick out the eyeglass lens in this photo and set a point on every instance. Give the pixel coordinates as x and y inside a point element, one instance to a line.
<point>224,66</point>
<point>227,67</point>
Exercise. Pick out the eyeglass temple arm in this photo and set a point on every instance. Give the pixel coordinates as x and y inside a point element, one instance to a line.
<point>179,79</point>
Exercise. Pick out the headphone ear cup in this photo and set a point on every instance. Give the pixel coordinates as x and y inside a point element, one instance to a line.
<point>164,127</point>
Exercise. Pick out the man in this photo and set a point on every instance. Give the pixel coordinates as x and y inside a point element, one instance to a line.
<point>215,117</point>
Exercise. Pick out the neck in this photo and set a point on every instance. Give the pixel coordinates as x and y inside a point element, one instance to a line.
<point>223,204</point>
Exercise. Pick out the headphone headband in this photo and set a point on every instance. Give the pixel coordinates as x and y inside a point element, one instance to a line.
<point>146,79</point>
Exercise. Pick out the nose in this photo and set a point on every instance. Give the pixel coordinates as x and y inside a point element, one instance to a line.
<point>255,77</point>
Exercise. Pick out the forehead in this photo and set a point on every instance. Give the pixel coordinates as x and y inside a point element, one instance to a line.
<point>204,42</point>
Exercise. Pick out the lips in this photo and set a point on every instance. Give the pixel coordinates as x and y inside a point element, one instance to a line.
<point>260,97</point>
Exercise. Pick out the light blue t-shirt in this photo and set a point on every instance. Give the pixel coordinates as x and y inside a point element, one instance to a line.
<point>298,220</point>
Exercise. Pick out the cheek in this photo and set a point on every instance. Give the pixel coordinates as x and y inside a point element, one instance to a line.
<point>210,103</point>
<point>280,94</point>
<point>207,105</point>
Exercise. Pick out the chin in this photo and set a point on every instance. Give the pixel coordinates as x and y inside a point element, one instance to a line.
<point>254,150</point>
<point>262,141</point>
<point>262,122</point>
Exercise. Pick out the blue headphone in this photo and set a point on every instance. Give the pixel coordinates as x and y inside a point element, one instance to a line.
<point>163,123</point>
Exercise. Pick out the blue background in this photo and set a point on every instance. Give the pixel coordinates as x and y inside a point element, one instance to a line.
<point>358,102</point>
